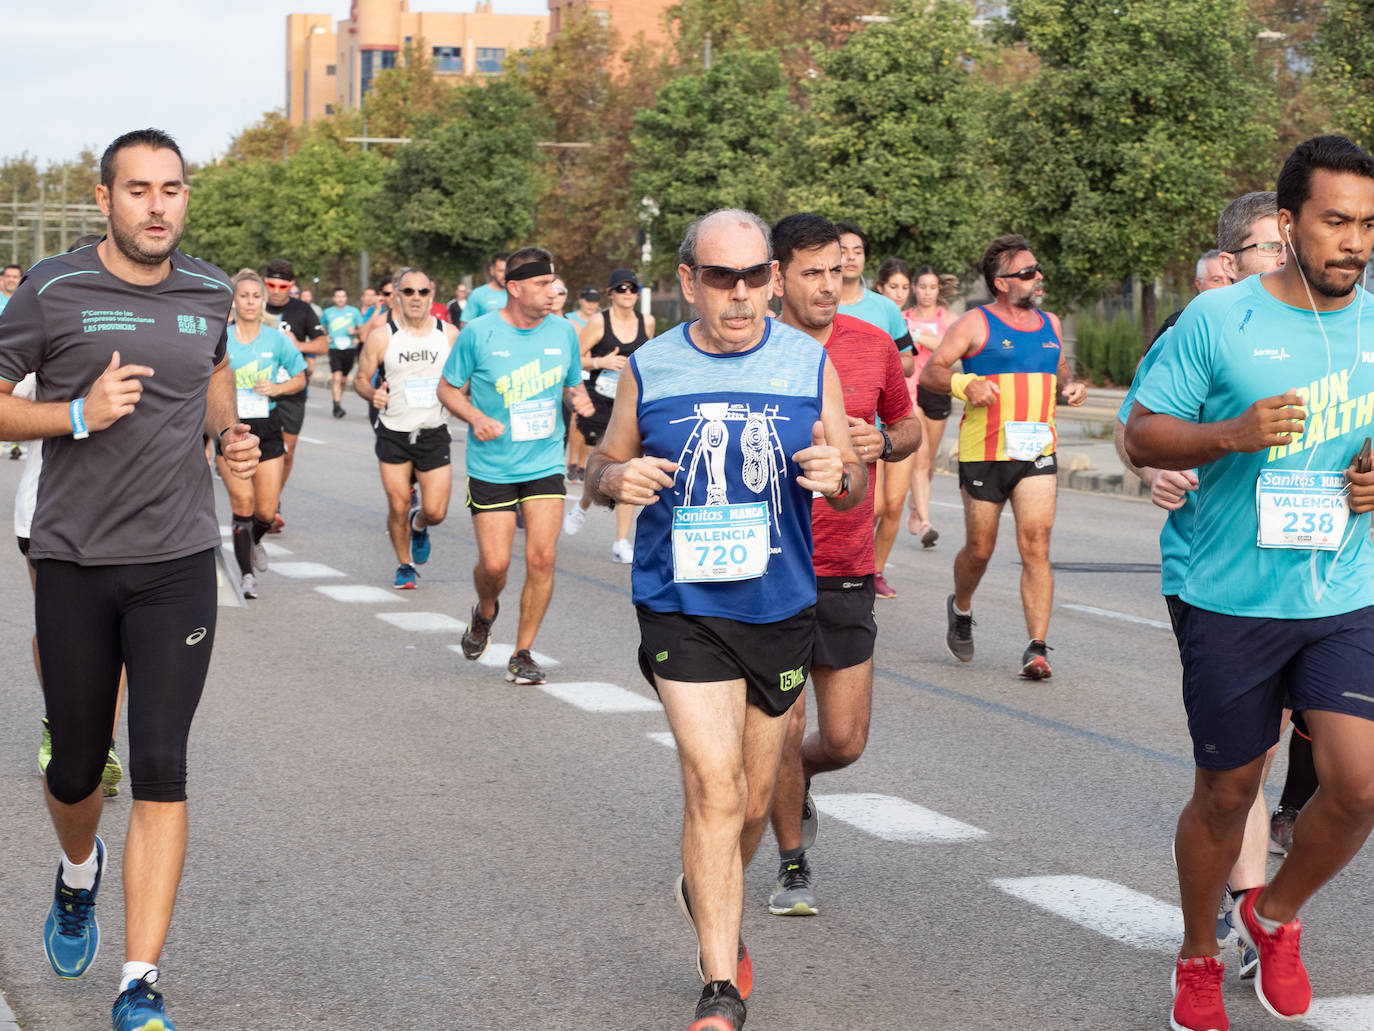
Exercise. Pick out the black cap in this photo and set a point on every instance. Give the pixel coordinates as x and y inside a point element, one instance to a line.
<point>590,293</point>
<point>622,275</point>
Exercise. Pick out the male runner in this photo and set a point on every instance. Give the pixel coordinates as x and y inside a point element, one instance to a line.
<point>862,303</point>
<point>722,431</point>
<point>412,435</point>
<point>343,323</point>
<point>1263,389</point>
<point>459,302</point>
<point>299,322</point>
<point>807,248</point>
<point>1013,364</point>
<point>128,340</point>
<point>491,295</point>
<point>9,282</point>
<point>506,377</point>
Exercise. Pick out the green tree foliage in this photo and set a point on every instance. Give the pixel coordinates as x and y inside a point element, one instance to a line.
<point>1343,57</point>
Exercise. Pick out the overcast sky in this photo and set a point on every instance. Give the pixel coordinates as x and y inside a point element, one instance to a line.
<point>78,73</point>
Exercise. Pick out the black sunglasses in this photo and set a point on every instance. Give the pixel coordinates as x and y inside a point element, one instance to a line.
<point>1026,274</point>
<point>411,291</point>
<point>723,277</point>
<point>625,288</point>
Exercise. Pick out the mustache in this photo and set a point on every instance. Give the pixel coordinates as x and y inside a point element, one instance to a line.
<point>1353,266</point>
<point>738,310</point>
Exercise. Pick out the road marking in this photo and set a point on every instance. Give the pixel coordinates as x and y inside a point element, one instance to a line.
<point>1092,610</point>
<point>275,550</point>
<point>492,659</point>
<point>304,570</point>
<point>311,440</point>
<point>895,819</point>
<point>1110,909</point>
<point>8,1021</point>
<point>948,504</point>
<point>1343,1013</point>
<point>422,622</point>
<point>594,697</point>
<point>362,594</point>
<point>664,738</point>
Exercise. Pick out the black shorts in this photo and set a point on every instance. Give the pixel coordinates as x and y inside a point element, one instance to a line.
<point>936,406</point>
<point>773,659</point>
<point>428,451</point>
<point>591,431</point>
<point>342,359</point>
<point>497,497</point>
<point>845,626</point>
<point>994,481</point>
<point>268,432</point>
<point>290,412</point>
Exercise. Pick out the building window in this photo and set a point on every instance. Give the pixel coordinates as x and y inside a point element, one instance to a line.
<point>329,109</point>
<point>490,59</point>
<point>448,59</point>
<point>373,62</point>
<point>330,69</point>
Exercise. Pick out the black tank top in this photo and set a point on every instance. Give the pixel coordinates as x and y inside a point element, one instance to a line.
<point>604,398</point>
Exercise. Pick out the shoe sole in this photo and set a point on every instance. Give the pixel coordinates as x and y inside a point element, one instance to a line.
<point>711,1024</point>
<point>406,587</point>
<point>1037,669</point>
<point>797,909</point>
<point>523,681</point>
<point>955,655</point>
<point>1244,933</point>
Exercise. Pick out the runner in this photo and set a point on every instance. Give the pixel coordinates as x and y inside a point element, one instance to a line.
<point>722,431</point>
<point>606,344</point>
<point>807,248</point>
<point>459,302</point>
<point>928,322</point>
<point>588,308</point>
<point>1276,602</point>
<point>343,323</point>
<point>412,435</point>
<point>560,298</point>
<point>873,308</point>
<point>505,378</point>
<point>1013,365</point>
<point>9,282</point>
<point>124,536</point>
<point>491,295</point>
<point>265,365</point>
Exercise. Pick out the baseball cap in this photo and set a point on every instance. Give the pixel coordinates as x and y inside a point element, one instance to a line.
<point>590,293</point>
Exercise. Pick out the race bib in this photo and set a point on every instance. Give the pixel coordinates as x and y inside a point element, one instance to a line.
<point>533,420</point>
<point>607,382</point>
<point>252,405</point>
<point>1026,441</point>
<point>421,392</point>
<point>719,543</point>
<point>1300,509</point>
<point>341,343</point>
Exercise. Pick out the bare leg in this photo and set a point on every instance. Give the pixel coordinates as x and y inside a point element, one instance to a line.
<point>923,472</point>
<point>153,858</point>
<point>396,483</point>
<point>790,791</point>
<point>495,533</point>
<point>543,519</point>
<point>896,481</point>
<point>980,537</point>
<point>1033,503</point>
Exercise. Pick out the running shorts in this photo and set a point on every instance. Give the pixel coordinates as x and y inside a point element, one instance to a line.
<point>995,481</point>
<point>342,359</point>
<point>495,497</point>
<point>936,406</point>
<point>428,450</point>
<point>845,625</point>
<point>290,412</point>
<point>268,432</point>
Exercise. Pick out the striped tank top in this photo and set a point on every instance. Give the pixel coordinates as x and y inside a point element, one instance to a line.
<point>1024,365</point>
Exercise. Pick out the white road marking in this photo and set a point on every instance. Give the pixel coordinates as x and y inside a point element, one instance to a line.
<point>363,594</point>
<point>275,550</point>
<point>948,504</point>
<point>1120,913</point>
<point>664,738</point>
<point>1092,610</point>
<point>304,570</point>
<point>497,655</point>
<point>422,622</point>
<point>8,1022</point>
<point>895,819</point>
<point>594,697</point>
<point>311,440</point>
<point>1344,1013</point>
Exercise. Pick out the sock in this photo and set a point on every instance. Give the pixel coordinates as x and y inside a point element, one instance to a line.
<point>413,527</point>
<point>1269,925</point>
<point>260,529</point>
<point>791,854</point>
<point>134,972</point>
<point>243,543</point>
<point>960,612</point>
<point>80,876</point>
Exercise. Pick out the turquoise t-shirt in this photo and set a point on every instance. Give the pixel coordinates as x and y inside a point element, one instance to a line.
<point>517,377</point>
<point>1273,535</point>
<point>880,311</point>
<point>270,356</point>
<point>576,319</point>
<point>482,301</point>
<point>338,322</point>
<point>1176,536</point>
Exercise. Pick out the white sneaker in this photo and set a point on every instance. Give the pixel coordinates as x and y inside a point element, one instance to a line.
<point>623,551</point>
<point>249,584</point>
<point>572,522</point>
<point>259,557</point>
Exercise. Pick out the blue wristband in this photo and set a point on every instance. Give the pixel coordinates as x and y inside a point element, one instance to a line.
<point>79,431</point>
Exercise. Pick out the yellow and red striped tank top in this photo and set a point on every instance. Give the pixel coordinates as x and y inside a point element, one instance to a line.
<point>1024,365</point>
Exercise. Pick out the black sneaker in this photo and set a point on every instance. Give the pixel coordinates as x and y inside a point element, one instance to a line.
<point>959,637</point>
<point>1035,664</point>
<point>478,634</point>
<point>338,410</point>
<point>719,1009</point>
<point>522,669</point>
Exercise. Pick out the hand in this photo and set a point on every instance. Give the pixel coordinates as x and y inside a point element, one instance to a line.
<point>867,441</point>
<point>1361,496</point>
<point>1170,486</point>
<point>615,361</point>
<point>263,386</point>
<point>484,428</point>
<point>380,397</point>
<point>1269,422</point>
<point>981,393</point>
<point>636,482</point>
<point>1075,393</point>
<point>240,449</point>
<point>821,464</point>
<point>114,394</point>
<point>581,403</point>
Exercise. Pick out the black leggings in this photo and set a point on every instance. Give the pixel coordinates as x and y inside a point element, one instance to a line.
<point>158,620</point>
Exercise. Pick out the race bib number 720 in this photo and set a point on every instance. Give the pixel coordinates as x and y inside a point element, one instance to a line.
<point>719,543</point>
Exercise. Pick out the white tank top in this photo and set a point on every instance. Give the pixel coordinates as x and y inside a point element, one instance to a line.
<point>412,365</point>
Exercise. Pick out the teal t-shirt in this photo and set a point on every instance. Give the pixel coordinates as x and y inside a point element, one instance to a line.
<point>269,356</point>
<point>482,301</point>
<point>1176,536</point>
<point>1268,539</point>
<point>880,311</point>
<point>576,319</point>
<point>338,322</point>
<point>517,377</point>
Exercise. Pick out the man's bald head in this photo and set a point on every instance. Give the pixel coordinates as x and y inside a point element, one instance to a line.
<point>728,222</point>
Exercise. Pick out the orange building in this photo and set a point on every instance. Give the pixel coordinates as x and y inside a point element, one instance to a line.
<point>627,17</point>
<point>330,67</point>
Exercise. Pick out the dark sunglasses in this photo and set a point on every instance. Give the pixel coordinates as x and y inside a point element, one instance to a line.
<point>625,288</point>
<point>411,291</point>
<point>1025,275</point>
<point>386,293</point>
<point>278,284</point>
<point>723,277</point>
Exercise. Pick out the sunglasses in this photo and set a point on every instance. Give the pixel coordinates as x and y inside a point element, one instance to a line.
<point>625,288</point>
<point>278,284</point>
<point>411,291</point>
<point>723,277</point>
<point>386,293</point>
<point>1025,274</point>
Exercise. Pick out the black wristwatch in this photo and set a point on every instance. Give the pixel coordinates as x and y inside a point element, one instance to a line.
<point>887,446</point>
<point>844,486</point>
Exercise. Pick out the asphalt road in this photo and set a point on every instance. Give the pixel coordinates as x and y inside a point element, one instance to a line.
<point>386,835</point>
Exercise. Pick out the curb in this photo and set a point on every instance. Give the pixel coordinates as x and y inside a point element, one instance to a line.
<point>8,1021</point>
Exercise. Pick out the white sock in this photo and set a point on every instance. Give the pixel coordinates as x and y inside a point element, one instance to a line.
<point>134,972</point>
<point>80,876</point>
<point>412,521</point>
<point>1269,925</point>
<point>960,612</point>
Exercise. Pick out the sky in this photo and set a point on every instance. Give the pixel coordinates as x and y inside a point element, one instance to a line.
<point>199,69</point>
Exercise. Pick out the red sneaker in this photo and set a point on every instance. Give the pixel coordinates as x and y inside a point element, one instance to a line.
<point>1197,995</point>
<point>1281,981</point>
<point>881,588</point>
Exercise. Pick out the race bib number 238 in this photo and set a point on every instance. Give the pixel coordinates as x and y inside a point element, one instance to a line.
<point>1299,509</point>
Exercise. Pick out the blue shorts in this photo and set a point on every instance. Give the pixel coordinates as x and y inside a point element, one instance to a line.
<point>1240,671</point>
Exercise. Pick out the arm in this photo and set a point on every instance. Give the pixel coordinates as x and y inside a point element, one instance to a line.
<point>1166,442</point>
<point>964,338</point>
<point>1075,393</point>
<point>237,443</point>
<point>650,327</point>
<point>905,435</point>
<point>578,399</point>
<point>457,401</point>
<point>1167,486</point>
<point>315,345</point>
<point>295,384</point>
<point>588,337</point>
<point>112,396</point>
<point>617,470</point>
<point>368,361</point>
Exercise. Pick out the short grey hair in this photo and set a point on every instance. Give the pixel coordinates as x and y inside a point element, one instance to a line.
<point>1211,255</point>
<point>687,253</point>
<point>1240,216</point>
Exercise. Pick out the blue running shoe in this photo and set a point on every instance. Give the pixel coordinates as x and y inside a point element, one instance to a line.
<point>406,577</point>
<point>71,935</point>
<point>419,542</point>
<point>139,1008</point>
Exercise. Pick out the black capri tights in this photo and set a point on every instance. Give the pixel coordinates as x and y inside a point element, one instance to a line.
<point>157,619</point>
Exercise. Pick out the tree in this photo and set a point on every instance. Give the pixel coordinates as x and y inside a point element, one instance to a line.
<point>1343,67</point>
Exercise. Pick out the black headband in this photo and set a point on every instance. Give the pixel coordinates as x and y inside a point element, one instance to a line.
<point>530,270</point>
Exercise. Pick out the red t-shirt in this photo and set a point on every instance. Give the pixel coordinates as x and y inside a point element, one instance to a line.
<point>870,372</point>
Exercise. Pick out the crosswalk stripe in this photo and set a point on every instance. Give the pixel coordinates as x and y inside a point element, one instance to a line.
<point>664,738</point>
<point>895,819</point>
<point>596,697</point>
<point>1122,914</point>
<point>360,594</point>
<point>275,550</point>
<point>311,440</point>
<point>304,570</point>
<point>421,622</point>
<point>1343,1013</point>
<point>1093,610</point>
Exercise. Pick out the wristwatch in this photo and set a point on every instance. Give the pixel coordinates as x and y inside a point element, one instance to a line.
<point>887,446</point>
<point>844,486</point>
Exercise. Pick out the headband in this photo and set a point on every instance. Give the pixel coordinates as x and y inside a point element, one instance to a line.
<point>530,270</point>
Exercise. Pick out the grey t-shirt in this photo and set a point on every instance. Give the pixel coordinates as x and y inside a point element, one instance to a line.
<point>139,491</point>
